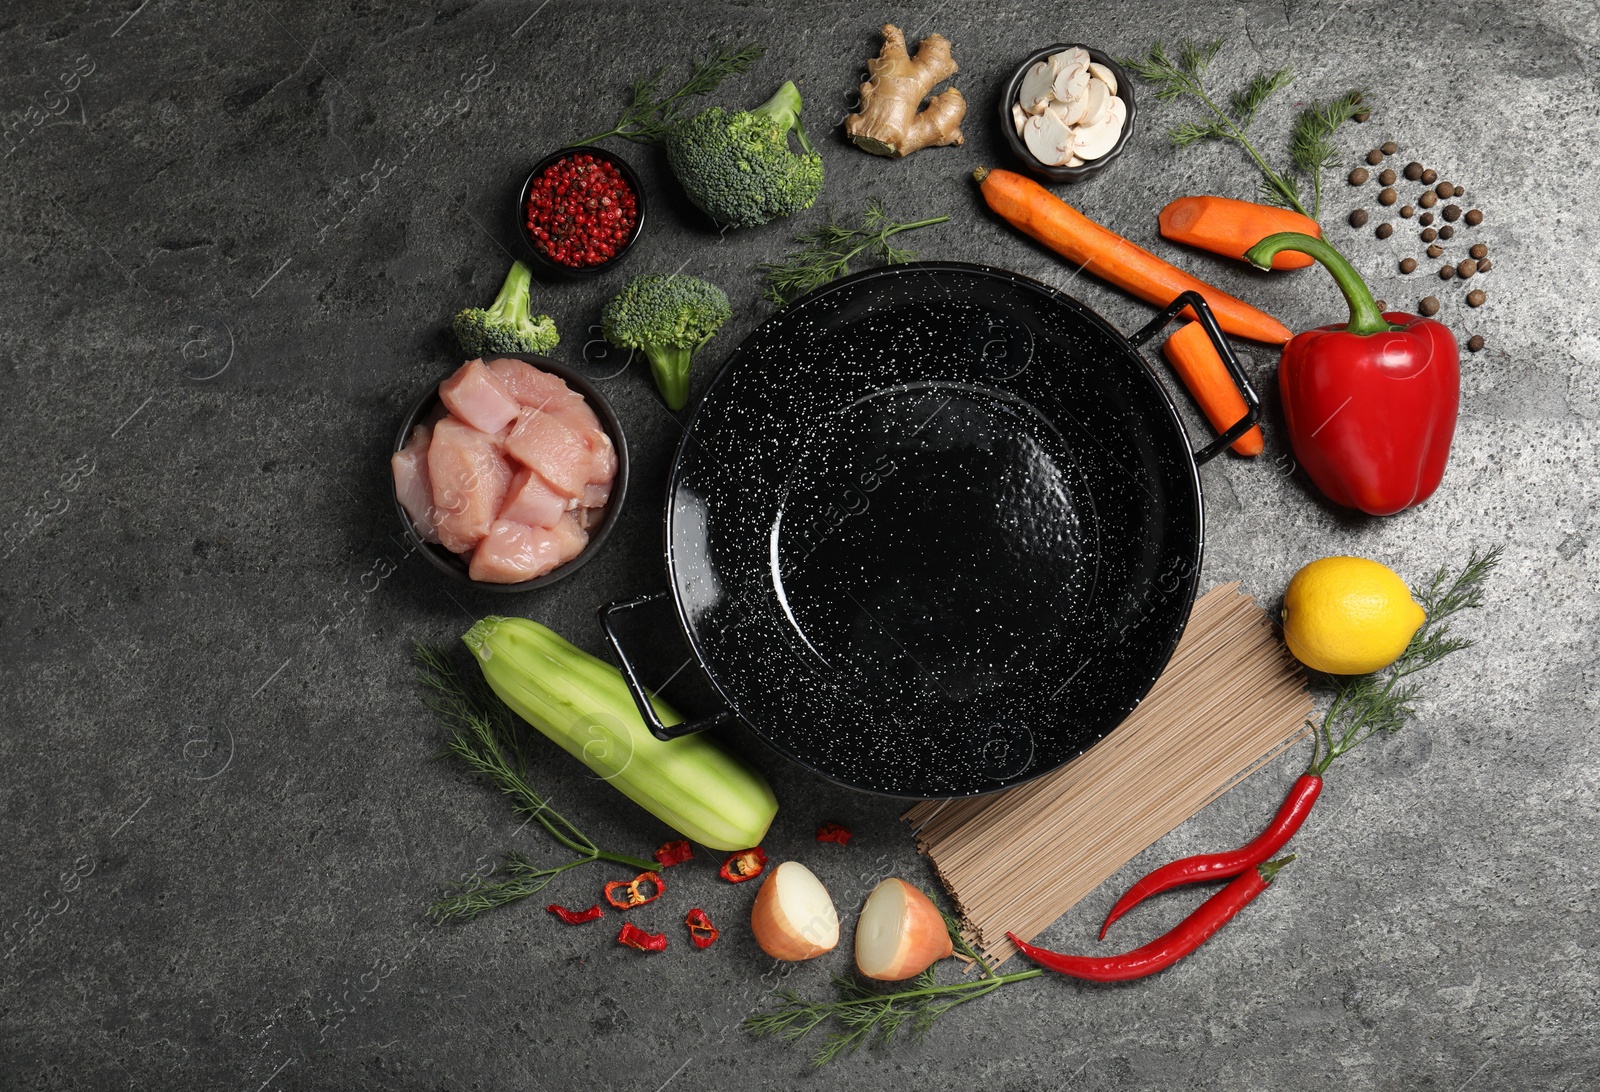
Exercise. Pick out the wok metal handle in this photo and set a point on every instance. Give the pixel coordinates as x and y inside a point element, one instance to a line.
<point>1208,323</point>
<point>630,674</point>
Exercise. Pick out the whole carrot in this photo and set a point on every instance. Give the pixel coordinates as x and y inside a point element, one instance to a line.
<point>1221,866</point>
<point>1035,211</point>
<point>1168,948</point>
<point>1195,360</point>
<point>1228,227</point>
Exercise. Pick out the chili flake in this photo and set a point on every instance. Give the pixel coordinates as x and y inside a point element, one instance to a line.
<point>701,932</point>
<point>581,211</point>
<point>576,917</point>
<point>635,937</point>
<point>744,865</point>
<point>833,832</point>
<point>674,853</point>
<point>632,896</point>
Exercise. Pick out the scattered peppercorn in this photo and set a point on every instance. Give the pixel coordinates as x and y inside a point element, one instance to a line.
<point>1475,343</point>
<point>1478,250</point>
<point>1460,189</point>
<point>1451,213</point>
<point>1429,235</point>
<point>1408,211</point>
<point>1387,196</point>
<point>1429,176</point>
<point>1375,156</point>
<point>1465,268</point>
<point>1429,305</point>
<point>1408,265</point>
<point>1445,189</point>
<point>1425,219</point>
<point>1474,217</point>
<point>1387,176</point>
<point>1476,297</point>
<point>1385,230</point>
<point>1446,231</point>
<point>1358,218</point>
<point>1389,147</point>
<point>1361,118</point>
<point>1484,265</point>
<point>1435,250</point>
<point>1413,170</point>
<point>1359,176</point>
<point>1428,199</point>
<point>1382,305</point>
<point>1446,272</point>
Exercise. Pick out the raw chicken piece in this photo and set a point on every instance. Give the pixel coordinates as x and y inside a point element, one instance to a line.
<point>411,485</point>
<point>513,552</point>
<point>533,502</point>
<point>595,494</point>
<point>532,387</point>
<point>470,479</point>
<point>542,442</point>
<point>475,396</point>
<point>581,419</point>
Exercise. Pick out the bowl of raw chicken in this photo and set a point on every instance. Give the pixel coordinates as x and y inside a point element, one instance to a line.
<point>510,473</point>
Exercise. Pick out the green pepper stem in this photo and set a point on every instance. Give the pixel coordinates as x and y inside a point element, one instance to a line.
<point>1270,870</point>
<point>1365,318</point>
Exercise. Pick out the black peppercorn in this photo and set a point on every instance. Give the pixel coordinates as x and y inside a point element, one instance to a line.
<point>1446,272</point>
<point>1359,176</point>
<point>1389,147</point>
<point>1428,199</point>
<point>1446,231</point>
<point>1435,250</point>
<point>1451,213</point>
<point>1445,189</point>
<point>1413,170</point>
<point>1387,196</point>
<point>1429,305</point>
<point>1408,265</point>
<point>1407,210</point>
<point>1474,217</point>
<point>1466,268</point>
<point>1362,117</point>
<point>1484,265</point>
<point>1386,176</point>
<point>1475,343</point>
<point>1425,219</point>
<point>1429,235</point>
<point>1385,230</point>
<point>1460,189</point>
<point>1429,176</point>
<point>1375,156</point>
<point>1358,218</point>
<point>1478,250</point>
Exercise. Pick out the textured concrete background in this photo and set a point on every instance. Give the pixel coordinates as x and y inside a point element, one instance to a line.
<point>230,253</point>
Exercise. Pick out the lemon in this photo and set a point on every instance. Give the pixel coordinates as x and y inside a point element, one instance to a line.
<point>1348,616</point>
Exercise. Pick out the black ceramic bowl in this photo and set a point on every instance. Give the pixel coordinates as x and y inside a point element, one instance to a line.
<point>1009,129</point>
<point>536,256</point>
<point>453,565</point>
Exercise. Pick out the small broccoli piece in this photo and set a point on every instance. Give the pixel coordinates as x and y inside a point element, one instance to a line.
<point>506,325</point>
<point>669,317</point>
<point>739,167</point>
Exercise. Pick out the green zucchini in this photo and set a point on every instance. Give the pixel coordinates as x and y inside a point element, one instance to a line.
<point>692,783</point>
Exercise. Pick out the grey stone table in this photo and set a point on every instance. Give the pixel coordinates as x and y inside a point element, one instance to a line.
<point>233,235</point>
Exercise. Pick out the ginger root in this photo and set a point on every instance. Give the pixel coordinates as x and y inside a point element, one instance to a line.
<point>890,122</point>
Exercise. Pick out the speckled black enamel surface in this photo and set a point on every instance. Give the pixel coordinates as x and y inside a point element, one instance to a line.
<point>935,530</point>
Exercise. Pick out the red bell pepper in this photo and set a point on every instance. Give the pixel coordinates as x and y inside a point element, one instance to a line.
<point>1370,406</point>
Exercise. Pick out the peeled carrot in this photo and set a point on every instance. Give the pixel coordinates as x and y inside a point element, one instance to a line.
<point>1196,361</point>
<point>1228,227</point>
<point>1035,211</point>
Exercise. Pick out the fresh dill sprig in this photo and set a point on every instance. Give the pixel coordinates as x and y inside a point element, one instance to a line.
<point>872,1017</point>
<point>486,736</point>
<point>826,252</point>
<point>1311,145</point>
<point>1364,705</point>
<point>649,116</point>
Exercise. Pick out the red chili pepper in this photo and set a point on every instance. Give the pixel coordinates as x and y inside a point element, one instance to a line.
<point>1370,406</point>
<point>744,865</point>
<point>833,832</point>
<point>635,937</point>
<point>576,917</point>
<point>701,932</point>
<point>674,853</point>
<point>633,896</point>
<point>1222,866</point>
<point>1167,949</point>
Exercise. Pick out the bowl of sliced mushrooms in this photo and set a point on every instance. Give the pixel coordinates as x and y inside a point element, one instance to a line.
<point>1067,111</point>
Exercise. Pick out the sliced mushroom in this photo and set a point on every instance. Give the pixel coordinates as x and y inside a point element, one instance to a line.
<point>1019,117</point>
<point>1074,161</point>
<point>1067,58</point>
<point>1047,139</point>
<point>1094,141</point>
<point>1104,75</point>
<point>1097,96</point>
<point>1069,112</point>
<point>1070,81</point>
<point>1035,89</point>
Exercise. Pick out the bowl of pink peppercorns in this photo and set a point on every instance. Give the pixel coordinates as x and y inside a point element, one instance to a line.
<point>580,211</point>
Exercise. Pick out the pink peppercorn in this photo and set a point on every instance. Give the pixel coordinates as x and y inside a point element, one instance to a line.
<point>581,211</point>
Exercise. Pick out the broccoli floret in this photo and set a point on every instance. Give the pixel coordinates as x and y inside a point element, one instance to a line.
<point>739,167</point>
<point>506,325</point>
<point>668,316</point>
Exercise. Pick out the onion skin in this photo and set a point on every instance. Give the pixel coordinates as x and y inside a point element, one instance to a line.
<point>777,936</point>
<point>924,939</point>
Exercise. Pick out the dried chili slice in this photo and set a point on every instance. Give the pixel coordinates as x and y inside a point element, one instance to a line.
<point>635,937</point>
<point>674,853</point>
<point>632,896</point>
<point>744,865</point>
<point>833,832</point>
<point>576,917</point>
<point>701,932</point>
